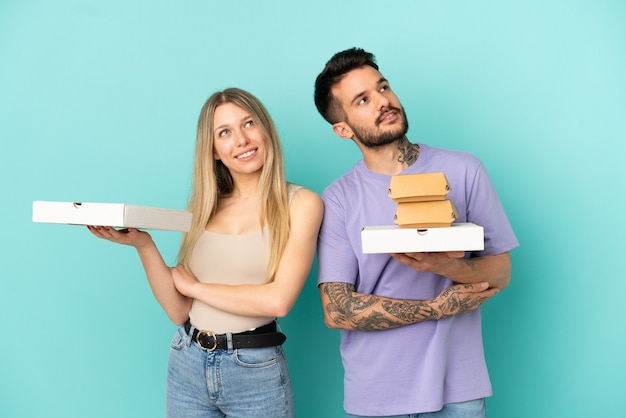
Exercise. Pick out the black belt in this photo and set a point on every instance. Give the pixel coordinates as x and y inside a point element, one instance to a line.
<point>265,336</point>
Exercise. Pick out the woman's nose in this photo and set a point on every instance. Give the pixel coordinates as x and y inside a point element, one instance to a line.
<point>241,138</point>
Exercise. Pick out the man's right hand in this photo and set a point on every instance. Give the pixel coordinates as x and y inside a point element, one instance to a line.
<point>462,298</point>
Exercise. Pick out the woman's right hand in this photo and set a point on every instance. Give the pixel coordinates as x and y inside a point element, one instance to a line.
<point>130,236</point>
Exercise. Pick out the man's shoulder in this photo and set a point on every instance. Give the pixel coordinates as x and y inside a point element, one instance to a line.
<point>445,158</point>
<point>436,152</point>
<point>344,181</point>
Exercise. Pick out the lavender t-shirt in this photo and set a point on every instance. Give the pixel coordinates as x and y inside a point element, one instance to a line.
<point>420,367</point>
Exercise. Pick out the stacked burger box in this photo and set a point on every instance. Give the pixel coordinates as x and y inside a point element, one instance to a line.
<point>422,200</point>
<point>424,220</point>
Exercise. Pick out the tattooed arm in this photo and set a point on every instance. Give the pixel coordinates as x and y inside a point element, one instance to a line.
<point>346,309</point>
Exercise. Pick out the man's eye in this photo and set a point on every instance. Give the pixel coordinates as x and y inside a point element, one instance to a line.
<point>363,101</point>
<point>384,88</point>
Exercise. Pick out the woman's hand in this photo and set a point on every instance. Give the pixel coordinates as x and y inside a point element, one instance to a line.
<point>130,236</point>
<point>184,280</point>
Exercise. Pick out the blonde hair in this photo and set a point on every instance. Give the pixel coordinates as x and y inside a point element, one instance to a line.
<point>212,180</point>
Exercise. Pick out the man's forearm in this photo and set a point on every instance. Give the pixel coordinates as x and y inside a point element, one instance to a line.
<point>494,269</point>
<point>346,309</point>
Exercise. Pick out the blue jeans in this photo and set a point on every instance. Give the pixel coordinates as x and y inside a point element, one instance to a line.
<point>238,383</point>
<point>469,409</point>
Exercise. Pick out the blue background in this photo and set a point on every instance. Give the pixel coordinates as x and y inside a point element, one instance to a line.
<point>99,102</point>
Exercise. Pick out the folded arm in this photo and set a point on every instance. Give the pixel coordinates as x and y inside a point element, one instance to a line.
<point>494,269</point>
<point>344,308</point>
<point>277,297</point>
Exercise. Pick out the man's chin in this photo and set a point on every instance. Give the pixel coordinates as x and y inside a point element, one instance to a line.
<point>381,141</point>
<point>384,135</point>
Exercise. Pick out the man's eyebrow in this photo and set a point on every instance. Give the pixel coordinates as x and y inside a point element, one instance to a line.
<point>382,80</point>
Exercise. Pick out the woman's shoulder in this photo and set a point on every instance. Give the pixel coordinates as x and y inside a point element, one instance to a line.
<point>302,195</point>
<point>292,188</point>
<point>306,209</point>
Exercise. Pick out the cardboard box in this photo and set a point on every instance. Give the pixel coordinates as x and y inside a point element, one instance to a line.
<point>393,239</point>
<point>418,187</point>
<point>431,214</point>
<point>111,214</point>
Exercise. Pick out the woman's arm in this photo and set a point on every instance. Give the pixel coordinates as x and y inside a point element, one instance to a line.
<point>277,297</point>
<point>175,305</point>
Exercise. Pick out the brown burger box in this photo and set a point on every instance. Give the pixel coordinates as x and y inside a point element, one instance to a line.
<point>418,187</point>
<point>430,214</point>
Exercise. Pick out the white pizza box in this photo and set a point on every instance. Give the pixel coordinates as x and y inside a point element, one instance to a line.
<point>394,239</point>
<point>111,214</point>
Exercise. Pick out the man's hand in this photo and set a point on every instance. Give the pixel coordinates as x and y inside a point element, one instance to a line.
<point>431,262</point>
<point>462,298</point>
<point>494,269</point>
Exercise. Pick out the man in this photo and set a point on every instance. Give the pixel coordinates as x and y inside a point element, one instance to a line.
<point>410,325</point>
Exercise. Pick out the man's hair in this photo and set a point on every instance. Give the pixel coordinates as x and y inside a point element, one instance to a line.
<point>336,68</point>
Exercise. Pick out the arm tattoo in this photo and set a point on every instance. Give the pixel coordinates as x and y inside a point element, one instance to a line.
<point>409,312</point>
<point>357,311</point>
<point>458,305</point>
<point>360,311</point>
<point>342,297</point>
<point>408,152</point>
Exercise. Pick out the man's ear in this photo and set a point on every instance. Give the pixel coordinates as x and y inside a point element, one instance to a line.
<point>343,130</point>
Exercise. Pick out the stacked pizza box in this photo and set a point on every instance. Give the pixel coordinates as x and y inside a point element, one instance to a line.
<point>422,201</point>
<point>424,220</point>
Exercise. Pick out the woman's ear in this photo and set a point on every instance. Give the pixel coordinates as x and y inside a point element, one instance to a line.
<point>343,130</point>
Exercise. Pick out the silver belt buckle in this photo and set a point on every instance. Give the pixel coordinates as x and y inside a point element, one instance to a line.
<point>209,334</point>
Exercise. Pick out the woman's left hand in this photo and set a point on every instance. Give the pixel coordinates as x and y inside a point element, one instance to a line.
<point>184,280</point>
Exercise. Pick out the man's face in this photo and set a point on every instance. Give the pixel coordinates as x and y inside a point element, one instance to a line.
<point>374,114</point>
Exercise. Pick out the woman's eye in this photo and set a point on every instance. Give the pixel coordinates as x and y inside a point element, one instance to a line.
<point>224,132</point>
<point>249,123</point>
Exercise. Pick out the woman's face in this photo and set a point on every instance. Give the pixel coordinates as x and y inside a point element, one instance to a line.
<point>239,142</point>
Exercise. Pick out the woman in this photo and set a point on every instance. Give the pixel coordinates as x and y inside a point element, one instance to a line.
<point>242,265</point>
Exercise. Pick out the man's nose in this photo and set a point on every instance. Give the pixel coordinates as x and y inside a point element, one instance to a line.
<point>382,102</point>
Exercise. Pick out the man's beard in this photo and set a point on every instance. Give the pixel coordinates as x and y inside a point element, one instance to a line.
<point>372,138</point>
